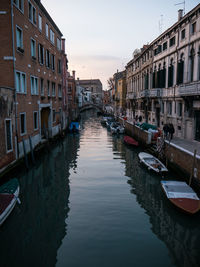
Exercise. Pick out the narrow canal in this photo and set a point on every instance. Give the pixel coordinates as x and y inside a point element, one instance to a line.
<point>89,202</point>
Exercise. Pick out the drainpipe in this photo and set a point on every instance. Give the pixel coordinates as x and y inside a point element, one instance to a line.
<point>15,94</point>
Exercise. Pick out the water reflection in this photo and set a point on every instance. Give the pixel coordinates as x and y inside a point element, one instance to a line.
<point>180,232</point>
<point>34,231</point>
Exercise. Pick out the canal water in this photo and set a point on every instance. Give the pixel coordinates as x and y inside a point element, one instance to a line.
<point>88,202</point>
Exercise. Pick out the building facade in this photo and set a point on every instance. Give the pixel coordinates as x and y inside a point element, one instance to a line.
<point>31,72</point>
<point>163,78</point>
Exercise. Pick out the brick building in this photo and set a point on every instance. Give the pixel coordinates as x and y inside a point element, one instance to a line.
<point>30,75</point>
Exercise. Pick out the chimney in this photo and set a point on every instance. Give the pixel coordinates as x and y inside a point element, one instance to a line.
<point>73,74</point>
<point>180,14</point>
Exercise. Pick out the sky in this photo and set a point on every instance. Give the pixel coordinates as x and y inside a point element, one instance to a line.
<point>101,35</point>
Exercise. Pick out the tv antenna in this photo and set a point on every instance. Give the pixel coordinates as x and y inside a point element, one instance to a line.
<point>182,3</point>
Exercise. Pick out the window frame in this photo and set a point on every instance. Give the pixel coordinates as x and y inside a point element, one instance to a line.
<point>21,46</point>
<point>37,121</point>
<point>35,90</point>
<point>53,89</point>
<point>21,74</point>
<point>6,136</point>
<point>52,36</point>
<point>33,55</point>
<point>32,13</point>
<point>24,114</point>
<point>40,22</point>
<point>17,5</point>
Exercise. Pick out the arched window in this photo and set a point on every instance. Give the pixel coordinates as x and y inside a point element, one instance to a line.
<point>198,64</point>
<point>171,73</point>
<point>180,70</point>
<point>191,65</point>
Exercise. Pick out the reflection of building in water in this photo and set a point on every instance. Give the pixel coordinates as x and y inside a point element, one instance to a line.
<point>38,225</point>
<point>180,233</point>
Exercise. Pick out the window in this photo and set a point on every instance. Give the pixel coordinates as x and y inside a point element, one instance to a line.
<point>35,120</point>
<point>20,82</point>
<point>47,30</point>
<point>8,128</point>
<point>180,109</point>
<point>31,13</point>
<point>51,36</point>
<point>162,107</point>
<point>59,66</point>
<point>165,46</point>
<point>58,44</point>
<point>54,115</point>
<point>52,62</point>
<point>53,89</point>
<point>47,59</point>
<point>19,39</point>
<point>19,4</point>
<point>193,28</point>
<point>48,87</point>
<point>183,34</point>
<point>40,22</point>
<point>172,41</point>
<point>170,108</point>
<point>42,86</point>
<point>59,91</point>
<point>34,85</point>
<point>22,123</point>
<point>33,48</point>
<point>41,54</point>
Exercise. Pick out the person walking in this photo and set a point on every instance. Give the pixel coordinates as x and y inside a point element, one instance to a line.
<point>166,130</point>
<point>171,130</point>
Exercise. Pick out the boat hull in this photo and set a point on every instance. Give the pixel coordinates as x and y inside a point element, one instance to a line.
<point>130,141</point>
<point>152,163</point>
<point>187,205</point>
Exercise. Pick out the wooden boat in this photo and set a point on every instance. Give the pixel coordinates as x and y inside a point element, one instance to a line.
<point>9,193</point>
<point>182,196</point>
<point>152,162</point>
<point>130,141</point>
<point>116,128</point>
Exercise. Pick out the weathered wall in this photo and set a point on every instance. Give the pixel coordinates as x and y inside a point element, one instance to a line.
<point>6,112</point>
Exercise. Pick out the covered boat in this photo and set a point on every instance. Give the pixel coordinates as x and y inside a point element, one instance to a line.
<point>74,127</point>
<point>181,195</point>
<point>130,141</point>
<point>9,193</point>
<point>152,162</point>
<point>116,128</point>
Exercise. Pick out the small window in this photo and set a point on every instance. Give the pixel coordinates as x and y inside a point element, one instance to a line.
<point>165,46</point>
<point>183,34</point>
<point>58,44</point>
<point>8,127</point>
<point>20,82</point>
<point>47,30</point>
<point>31,13</point>
<point>59,91</point>
<point>48,87</point>
<point>40,22</point>
<point>34,85</point>
<point>52,62</point>
<point>22,123</point>
<point>193,28</point>
<point>54,115</point>
<point>35,120</point>
<point>52,36</point>
<point>53,89</point>
<point>41,54</point>
<point>180,107</point>
<point>33,48</point>
<point>19,4</point>
<point>59,66</point>
<point>42,86</point>
<point>47,59</point>
<point>172,41</point>
<point>19,39</point>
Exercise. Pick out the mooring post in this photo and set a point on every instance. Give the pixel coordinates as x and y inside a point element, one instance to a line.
<point>25,155</point>
<point>193,165</point>
<point>31,149</point>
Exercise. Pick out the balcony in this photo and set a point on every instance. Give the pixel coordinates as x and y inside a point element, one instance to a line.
<point>131,95</point>
<point>190,89</point>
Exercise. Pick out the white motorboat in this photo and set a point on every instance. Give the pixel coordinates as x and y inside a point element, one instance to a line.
<point>152,162</point>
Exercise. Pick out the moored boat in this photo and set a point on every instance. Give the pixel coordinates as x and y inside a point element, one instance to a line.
<point>74,127</point>
<point>130,141</point>
<point>181,195</point>
<point>152,162</point>
<point>116,128</point>
<point>9,193</point>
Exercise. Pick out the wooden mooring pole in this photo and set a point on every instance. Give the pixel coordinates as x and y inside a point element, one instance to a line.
<point>193,165</point>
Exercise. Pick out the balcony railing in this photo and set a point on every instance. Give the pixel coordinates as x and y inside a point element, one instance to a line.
<point>189,89</point>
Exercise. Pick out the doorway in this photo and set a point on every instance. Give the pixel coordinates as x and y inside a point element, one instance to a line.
<point>197,125</point>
